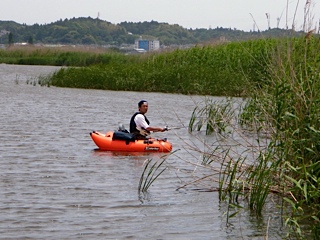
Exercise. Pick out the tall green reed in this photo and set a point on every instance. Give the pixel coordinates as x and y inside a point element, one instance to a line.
<point>288,107</point>
<point>150,173</point>
<point>206,70</point>
<point>213,116</point>
<point>60,56</point>
<point>284,109</point>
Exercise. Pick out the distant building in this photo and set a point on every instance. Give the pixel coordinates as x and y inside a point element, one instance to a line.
<point>147,45</point>
<point>154,45</point>
<point>3,32</point>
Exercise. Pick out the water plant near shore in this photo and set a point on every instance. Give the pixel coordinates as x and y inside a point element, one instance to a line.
<point>148,175</point>
<point>290,102</point>
<point>59,56</point>
<point>207,70</point>
<point>282,113</point>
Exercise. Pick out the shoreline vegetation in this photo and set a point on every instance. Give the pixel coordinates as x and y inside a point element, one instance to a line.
<point>280,80</point>
<point>57,55</point>
<point>282,112</point>
<point>222,69</point>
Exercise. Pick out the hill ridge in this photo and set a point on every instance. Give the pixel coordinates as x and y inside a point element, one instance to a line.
<point>88,31</point>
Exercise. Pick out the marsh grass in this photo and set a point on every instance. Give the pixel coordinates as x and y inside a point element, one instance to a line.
<point>282,112</point>
<point>214,116</point>
<point>290,104</point>
<point>59,56</point>
<point>285,161</point>
<point>285,106</point>
<point>152,170</point>
<point>237,163</point>
<point>218,70</point>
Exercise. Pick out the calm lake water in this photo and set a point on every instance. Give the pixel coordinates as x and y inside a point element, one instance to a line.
<point>55,185</point>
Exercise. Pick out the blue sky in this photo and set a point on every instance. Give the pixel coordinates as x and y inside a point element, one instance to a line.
<point>239,14</point>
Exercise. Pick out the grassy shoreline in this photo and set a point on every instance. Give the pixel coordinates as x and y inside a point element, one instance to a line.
<point>222,70</point>
<point>58,56</point>
<point>282,113</point>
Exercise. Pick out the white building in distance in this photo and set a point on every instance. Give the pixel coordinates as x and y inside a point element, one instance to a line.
<point>147,45</point>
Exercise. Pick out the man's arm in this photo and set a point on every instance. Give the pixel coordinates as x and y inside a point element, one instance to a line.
<point>142,124</point>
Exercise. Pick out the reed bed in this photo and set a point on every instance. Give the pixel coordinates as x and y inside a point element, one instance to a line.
<point>221,70</point>
<point>59,56</point>
<point>269,143</point>
<point>290,104</point>
<point>282,114</point>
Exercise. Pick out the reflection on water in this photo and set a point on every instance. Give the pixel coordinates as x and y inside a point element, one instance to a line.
<point>127,155</point>
<point>55,185</point>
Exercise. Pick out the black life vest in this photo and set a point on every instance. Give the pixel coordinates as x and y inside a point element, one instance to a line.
<point>133,126</point>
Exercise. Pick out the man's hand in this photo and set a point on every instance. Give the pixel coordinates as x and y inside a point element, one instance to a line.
<point>143,132</point>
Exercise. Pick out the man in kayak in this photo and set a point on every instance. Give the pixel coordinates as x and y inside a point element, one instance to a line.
<point>139,124</point>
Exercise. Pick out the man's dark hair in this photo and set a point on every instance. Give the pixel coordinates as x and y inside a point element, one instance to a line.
<point>141,102</point>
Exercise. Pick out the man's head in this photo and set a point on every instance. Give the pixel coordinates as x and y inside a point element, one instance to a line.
<point>143,106</point>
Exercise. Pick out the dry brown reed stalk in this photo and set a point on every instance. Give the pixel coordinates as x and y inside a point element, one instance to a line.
<point>219,160</point>
<point>208,188</point>
<point>203,175</point>
<point>309,34</point>
<point>215,42</point>
<point>26,49</point>
<point>57,49</point>
<point>237,167</point>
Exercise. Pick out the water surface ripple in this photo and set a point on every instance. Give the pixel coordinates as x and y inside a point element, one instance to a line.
<point>54,185</point>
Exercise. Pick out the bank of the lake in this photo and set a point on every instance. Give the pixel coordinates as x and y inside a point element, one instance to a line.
<point>224,69</point>
<point>221,70</point>
<point>59,55</point>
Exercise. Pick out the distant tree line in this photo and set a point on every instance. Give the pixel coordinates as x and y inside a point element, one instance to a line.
<point>90,31</point>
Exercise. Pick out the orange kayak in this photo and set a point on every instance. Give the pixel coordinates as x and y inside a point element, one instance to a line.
<point>118,141</point>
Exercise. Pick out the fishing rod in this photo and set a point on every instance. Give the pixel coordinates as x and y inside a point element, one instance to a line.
<point>143,132</point>
<point>172,128</point>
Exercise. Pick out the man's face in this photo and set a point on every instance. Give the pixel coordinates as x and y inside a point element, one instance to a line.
<point>144,108</point>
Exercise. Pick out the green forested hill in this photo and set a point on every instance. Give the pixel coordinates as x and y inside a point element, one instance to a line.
<point>166,33</point>
<point>72,31</point>
<point>95,31</point>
